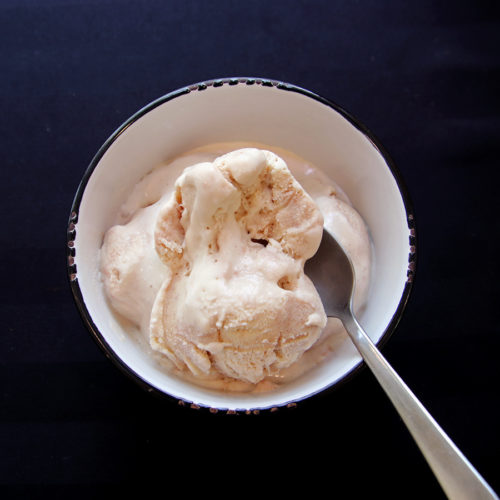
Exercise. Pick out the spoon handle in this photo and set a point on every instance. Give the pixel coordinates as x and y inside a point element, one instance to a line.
<point>458,478</point>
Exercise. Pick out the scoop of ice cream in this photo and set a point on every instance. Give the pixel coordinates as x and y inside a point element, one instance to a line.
<point>153,277</point>
<point>131,271</point>
<point>235,235</point>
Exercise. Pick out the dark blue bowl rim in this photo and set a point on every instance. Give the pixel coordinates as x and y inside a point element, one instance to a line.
<point>73,220</point>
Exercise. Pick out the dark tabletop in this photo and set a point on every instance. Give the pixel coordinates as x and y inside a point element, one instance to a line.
<point>424,77</point>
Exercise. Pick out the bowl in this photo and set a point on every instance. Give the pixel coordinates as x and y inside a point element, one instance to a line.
<point>256,110</point>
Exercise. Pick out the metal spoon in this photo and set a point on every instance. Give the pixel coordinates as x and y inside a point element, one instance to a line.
<point>332,273</point>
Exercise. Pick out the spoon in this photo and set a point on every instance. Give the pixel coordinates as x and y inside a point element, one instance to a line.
<point>333,276</point>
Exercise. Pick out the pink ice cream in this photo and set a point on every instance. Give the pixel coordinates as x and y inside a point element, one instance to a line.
<point>212,271</point>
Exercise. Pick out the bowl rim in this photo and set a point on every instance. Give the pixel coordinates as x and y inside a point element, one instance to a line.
<point>200,86</point>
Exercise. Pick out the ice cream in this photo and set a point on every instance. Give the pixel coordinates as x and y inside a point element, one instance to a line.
<point>210,267</point>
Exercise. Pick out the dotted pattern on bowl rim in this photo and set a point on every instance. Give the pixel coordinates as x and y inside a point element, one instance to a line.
<point>413,250</point>
<point>71,235</point>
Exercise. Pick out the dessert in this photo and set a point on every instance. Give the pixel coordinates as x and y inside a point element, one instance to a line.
<point>210,266</point>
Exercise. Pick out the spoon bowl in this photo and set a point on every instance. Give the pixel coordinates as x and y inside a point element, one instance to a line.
<point>333,276</point>
<point>332,273</point>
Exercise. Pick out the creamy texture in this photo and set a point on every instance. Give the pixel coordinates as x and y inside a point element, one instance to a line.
<point>210,267</point>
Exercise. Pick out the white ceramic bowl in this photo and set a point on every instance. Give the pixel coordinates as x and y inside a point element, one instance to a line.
<point>257,110</point>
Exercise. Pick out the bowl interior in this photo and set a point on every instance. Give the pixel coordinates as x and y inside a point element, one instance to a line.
<point>286,118</point>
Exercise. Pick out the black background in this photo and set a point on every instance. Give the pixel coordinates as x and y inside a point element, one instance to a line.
<point>423,76</point>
